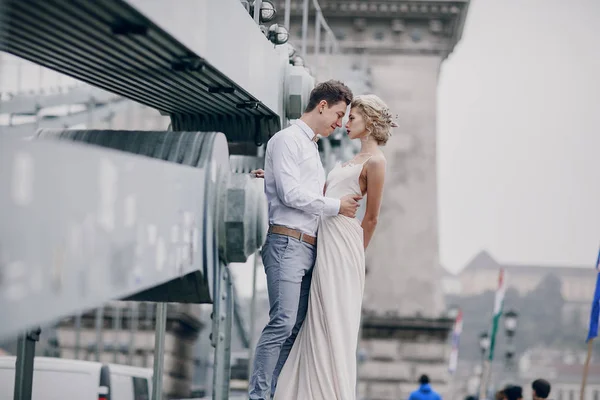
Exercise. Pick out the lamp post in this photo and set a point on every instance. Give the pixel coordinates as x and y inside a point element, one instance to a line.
<point>510,326</point>
<point>510,322</point>
<point>484,345</point>
<point>509,354</point>
<point>452,312</point>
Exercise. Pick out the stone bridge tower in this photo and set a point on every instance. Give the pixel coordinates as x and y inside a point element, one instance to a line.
<point>394,48</point>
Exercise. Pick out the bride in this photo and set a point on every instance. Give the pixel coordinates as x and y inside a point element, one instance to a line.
<point>322,362</point>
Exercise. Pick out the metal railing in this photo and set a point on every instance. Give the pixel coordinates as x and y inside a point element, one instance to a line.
<point>331,42</point>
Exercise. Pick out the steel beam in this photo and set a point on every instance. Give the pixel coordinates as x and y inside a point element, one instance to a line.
<point>207,27</point>
<point>80,227</point>
<point>151,57</point>
<point>102,112</point>
<point>32,103</point>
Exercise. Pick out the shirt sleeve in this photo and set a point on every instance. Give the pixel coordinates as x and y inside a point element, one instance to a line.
<point>286,172</point>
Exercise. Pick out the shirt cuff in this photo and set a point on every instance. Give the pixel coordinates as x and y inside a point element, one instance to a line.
<point>332,206</point>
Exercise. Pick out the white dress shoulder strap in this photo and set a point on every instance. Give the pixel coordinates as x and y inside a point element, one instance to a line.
<point>367,159</point>
<point>355,162</point>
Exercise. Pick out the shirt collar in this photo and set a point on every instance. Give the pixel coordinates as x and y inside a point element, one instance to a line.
<point>307,130</point>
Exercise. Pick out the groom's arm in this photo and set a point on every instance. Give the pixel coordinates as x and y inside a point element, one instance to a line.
<point>285,156</point>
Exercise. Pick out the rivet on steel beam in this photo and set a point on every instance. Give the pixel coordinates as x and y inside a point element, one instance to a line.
<point>129,28</point>
<point>248,105</point>
<point>188,64</point>
<point>221,89</point>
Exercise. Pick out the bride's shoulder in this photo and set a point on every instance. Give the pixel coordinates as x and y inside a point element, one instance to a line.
<point>377,160</point>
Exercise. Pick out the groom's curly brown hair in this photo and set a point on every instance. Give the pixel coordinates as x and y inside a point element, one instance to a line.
<point>332,92</point>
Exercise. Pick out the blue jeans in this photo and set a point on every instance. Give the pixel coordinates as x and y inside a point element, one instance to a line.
<point>288,265</point>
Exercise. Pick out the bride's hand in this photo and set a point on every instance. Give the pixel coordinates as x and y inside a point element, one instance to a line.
<point>258,173</point>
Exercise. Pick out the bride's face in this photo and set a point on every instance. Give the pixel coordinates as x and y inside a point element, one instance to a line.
<point>356,126</point>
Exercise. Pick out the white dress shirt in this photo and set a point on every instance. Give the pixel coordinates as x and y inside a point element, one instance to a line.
<point>294,180</point>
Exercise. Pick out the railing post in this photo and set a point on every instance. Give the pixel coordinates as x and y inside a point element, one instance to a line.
<point>24,364</point>
<point>117,331</point>
<point>159,350</point>
<point>221,337</point>
<point>133,326</point>
<point>287,12</point>
<point>304,28</point>
<point>257,7</point>
<point>77,335</point>
<point>317,49</point>
<point>253,315</point>
<point>99,325</point>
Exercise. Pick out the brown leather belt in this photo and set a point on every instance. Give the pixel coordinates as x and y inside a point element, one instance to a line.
<point>303,237</point>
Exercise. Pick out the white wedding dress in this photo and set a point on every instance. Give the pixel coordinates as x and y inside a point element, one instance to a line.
<point>322,362</point>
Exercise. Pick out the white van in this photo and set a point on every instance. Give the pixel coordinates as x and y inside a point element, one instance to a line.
<point>62,379</point>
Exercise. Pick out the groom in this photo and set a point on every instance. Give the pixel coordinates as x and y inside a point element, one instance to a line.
<point>294,182</point>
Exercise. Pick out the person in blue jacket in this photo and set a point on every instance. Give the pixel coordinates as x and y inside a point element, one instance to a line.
<point>424,392</point>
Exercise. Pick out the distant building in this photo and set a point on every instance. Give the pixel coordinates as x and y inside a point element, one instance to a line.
<point>481,274</point>
<point>451,283</point>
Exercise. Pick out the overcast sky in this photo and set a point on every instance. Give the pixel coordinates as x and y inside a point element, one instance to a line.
<point>519,134</point>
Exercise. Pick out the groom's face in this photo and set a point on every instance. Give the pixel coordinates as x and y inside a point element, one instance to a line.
<point>331,117</point>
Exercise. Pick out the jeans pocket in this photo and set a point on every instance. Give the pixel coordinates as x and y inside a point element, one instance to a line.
<point>275,248</point>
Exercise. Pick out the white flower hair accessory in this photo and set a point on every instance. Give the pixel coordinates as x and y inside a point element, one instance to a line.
<point>388,118</point>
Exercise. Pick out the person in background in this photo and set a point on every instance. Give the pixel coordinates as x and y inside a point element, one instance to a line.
<point>540,389</point>
<point>424,392</point>
<point>513,392</point>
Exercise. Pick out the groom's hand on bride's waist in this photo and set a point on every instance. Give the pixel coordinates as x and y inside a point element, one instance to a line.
<point>258,173</point>
<point>349,205</point>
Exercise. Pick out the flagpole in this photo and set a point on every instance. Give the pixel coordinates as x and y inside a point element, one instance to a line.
<point>453,362</point>
<point>484,379</point>
<point>451,389</point>
<point>593,331</point>
<point>590,349</point>
<point>498,305</point>
<point>456,332</point>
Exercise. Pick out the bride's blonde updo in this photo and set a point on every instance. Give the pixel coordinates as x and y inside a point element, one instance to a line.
<point>377,116</point>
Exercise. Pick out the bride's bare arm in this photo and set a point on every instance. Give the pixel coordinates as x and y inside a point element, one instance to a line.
<point>375,177</point>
